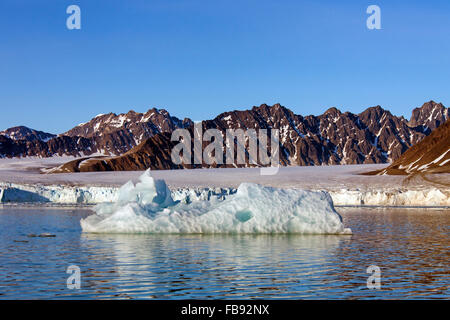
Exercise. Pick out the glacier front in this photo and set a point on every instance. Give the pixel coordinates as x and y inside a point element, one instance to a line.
<point>148,207</point>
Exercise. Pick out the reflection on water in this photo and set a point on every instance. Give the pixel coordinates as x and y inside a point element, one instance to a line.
<point>410,246</point>
<point>208,266</point>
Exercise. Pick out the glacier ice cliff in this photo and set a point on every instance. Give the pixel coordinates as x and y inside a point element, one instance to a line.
<point>12,192</point>
<point>426,197</point>
<point>148,207</point>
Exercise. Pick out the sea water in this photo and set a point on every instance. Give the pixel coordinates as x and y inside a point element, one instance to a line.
<point>411,248</point>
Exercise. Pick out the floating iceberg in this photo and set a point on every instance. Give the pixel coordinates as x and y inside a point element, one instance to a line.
<point>148,207</point>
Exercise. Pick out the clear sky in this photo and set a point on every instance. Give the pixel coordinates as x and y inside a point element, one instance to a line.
<point>198,58</point>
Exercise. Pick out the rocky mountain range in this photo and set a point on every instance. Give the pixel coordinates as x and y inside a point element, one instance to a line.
<point>108,134</point>
<point>372,136</point>
<point>127,130</point>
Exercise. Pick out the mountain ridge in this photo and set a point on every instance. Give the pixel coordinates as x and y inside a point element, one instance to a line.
<point>97,136</point>
<point>371,136</point>
<point>25,133</point>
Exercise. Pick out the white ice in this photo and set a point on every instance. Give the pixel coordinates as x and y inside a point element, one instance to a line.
<point>148,207</point>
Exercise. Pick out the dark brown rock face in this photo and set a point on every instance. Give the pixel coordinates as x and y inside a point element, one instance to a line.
<point>63,145</point>
<point>430,155</point>
<point>153,153</point>
<point>9,148</point>
<point>430,116</point>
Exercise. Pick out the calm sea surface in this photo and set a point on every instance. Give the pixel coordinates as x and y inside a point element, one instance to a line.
<point>411,247</point>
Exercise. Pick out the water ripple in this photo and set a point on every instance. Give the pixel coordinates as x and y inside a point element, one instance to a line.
<point>410,246</point>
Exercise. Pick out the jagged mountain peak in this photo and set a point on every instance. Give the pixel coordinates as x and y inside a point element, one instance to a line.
<point>374,112</point>
<point>431,104</point>
<point>24,133</point>
<point>269,108</point>
<point>332,111</point>
<point>154,120</point>
<point>263,115</point>
<point>430,116</point>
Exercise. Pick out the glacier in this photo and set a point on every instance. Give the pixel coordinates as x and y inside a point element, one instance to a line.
<point>90,195</point>
<point>148,207</point>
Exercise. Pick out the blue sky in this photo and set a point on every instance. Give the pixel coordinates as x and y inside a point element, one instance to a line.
<point>198,58</point>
